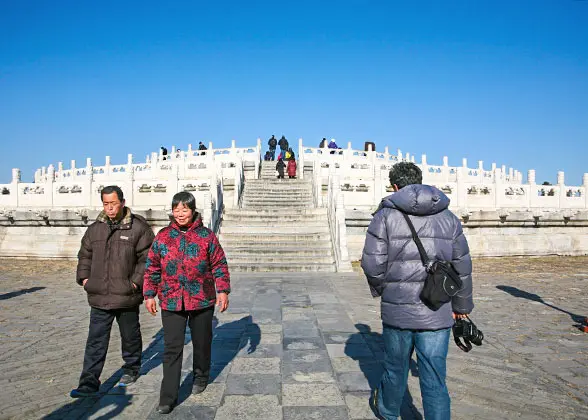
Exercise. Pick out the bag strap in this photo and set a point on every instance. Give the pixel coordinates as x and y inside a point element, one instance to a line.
<point>424,258</point>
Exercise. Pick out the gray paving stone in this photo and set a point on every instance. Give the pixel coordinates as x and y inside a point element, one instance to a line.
<point>211,397</point>
<point>358,406</point>
<point>315,413</point>
<point>351,350</point>
<point>250,384</point>
<point>243,365</point>
<point>311,394</point>
<point>262,350</point>
<point>304,343</point>
<point>344,338</point>
<point>249,407</point>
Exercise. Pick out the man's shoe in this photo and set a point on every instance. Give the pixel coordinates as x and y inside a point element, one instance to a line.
<point>128,379</point>
<point>165,409</point>
<point>82,393</point>
<point>198,388</point>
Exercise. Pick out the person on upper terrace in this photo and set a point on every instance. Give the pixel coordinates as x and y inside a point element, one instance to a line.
<point>272,143</point>
<point>283,143</point>
<point>333,145</point>
<point>202,148</point>
<point>164,152</point>
<point>324,142</point>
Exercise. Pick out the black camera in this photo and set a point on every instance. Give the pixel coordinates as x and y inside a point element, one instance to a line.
<point>465,329</point>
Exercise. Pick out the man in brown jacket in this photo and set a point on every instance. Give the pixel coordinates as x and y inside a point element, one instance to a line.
<point>111,262</point>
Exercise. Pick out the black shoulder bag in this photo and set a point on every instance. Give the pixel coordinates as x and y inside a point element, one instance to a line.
<point>442,282</point>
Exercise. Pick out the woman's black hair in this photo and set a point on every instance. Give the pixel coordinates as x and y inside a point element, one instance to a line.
<point>186,198</point>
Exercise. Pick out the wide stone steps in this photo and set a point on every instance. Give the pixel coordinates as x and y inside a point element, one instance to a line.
<point>277,228</point>
<point>274,237</point>
<point>281,259</point>
<point>271,266</point>
<point>284,249</point>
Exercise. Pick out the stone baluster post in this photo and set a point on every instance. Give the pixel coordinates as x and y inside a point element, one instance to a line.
<point>189,153</point>
<point>14,186</point>
<point>562,189</point>
<point>481,171</point>
<point>461,193</point>
<point>399,155</point>
<point>50,184</point>
<point>107,166</point>
<point>73,170</point>
<point>445,169</point>
<point>498,188</point>
<point>532,188</point>
<point>493,170</point>
<point>425,168</point>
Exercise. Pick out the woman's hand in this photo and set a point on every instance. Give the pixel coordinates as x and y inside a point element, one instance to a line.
<point>151,306</point>
<point>222,301</point>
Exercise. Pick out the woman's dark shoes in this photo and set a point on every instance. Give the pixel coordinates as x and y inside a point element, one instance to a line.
<point>165,409</point>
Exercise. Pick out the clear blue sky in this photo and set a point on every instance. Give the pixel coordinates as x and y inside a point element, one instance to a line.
<point>495,80</point>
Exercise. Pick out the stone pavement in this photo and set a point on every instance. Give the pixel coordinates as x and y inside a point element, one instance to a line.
<point>304,346</point>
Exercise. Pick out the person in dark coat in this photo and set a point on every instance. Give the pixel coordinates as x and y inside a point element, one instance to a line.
<point>202,148</point>
<point>111,262</point>
<point>164,152</point>
<point>292,168</point>
<point>280,166</point>
<point>324,142</point>
<point>283,143</point>
<point>394,271</point>
<point>272,143</point>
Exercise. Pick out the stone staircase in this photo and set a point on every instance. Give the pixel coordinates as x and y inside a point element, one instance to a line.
<point>277,228</point>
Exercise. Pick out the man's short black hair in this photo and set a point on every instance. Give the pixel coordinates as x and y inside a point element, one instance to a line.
<point>405,173</point>
<point>110,189</point>
<point>186,198</point>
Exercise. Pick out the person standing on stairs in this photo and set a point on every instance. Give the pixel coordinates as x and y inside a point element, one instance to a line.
<point>272,143</point>
<point>292,168</point>
<point>283,146</point>
<point>280,166</point>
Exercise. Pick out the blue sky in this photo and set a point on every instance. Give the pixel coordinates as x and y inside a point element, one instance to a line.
<point>502,81</point>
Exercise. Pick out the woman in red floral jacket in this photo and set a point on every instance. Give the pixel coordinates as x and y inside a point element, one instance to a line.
<point>186,268</point>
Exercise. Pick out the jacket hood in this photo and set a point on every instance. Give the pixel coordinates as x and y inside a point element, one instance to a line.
<point>417,200</point>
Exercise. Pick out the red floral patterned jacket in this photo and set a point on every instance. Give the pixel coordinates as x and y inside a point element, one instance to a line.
<point>186,269</point>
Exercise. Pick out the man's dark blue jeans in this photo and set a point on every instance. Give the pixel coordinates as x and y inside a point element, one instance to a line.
<point>431,349</point>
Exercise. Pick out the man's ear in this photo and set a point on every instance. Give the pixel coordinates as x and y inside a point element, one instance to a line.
<point>122,203</point>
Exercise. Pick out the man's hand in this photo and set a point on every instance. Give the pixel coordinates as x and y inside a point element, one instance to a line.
<point>134,286</point>
<point>222,301</point>
<point>84,282</point>
<point>459,316</point>
<point>151,306</point>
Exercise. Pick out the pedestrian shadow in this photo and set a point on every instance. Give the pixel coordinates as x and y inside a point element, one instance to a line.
<point>373,370</point>
<point>11,295</point>
<point>516,292</point>
<point>111,404</point>
<point>229,339</point>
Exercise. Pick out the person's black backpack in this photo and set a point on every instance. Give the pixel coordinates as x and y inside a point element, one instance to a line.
<point>442,282</point>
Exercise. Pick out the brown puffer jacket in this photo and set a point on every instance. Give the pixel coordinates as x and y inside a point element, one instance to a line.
<point>112,258</point>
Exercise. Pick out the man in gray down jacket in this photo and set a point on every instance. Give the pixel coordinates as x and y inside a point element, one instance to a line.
<point>394,271</point>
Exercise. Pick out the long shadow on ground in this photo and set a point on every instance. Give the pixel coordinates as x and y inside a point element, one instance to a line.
<point>16,293</point>
<point>373,370</point>
<point>229,340</point>
<point>516,292</point>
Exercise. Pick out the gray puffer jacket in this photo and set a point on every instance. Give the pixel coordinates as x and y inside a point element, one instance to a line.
<point>392,264</point>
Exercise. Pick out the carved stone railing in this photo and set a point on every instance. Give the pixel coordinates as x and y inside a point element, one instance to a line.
<point>337,227</point>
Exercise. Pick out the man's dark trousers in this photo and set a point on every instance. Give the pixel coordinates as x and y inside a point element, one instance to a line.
<point>99,337</point>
